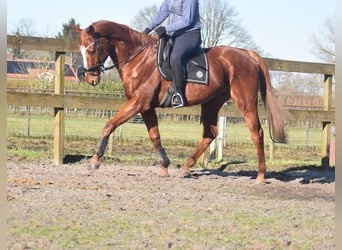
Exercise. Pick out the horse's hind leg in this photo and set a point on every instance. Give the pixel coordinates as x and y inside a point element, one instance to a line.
<point>245,96</point>
<point>209,119</point>
<point>257,134</point>
<point>151,122</point>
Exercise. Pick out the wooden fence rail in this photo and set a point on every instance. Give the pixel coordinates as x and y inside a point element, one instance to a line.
<point>59,100</point>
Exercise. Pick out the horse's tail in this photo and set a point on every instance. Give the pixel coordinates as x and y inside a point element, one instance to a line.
<point>276,123</point>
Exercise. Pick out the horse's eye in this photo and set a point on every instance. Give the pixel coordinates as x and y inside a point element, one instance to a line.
<point>92,51</point>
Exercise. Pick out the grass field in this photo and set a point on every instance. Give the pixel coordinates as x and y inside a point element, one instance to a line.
<point>42,126</point>
<point>179,136</point>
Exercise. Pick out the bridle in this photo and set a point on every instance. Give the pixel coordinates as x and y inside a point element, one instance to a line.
<point>100,65</point>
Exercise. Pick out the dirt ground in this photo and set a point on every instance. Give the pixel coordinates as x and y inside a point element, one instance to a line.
<point>131,207</point>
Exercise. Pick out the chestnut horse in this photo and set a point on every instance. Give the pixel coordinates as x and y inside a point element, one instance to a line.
<point>234,73</point>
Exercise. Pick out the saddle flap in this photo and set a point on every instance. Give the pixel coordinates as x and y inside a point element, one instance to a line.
<point>167,50</point>
<point>196,70</point>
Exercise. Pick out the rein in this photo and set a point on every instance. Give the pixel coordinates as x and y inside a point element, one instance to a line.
<point>100,65</point>
<point>136,53</point>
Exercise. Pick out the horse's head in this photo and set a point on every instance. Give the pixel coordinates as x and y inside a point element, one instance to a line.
<point>95,51</point>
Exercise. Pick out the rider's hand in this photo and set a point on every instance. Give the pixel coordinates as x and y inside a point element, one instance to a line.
<point>161,31</point>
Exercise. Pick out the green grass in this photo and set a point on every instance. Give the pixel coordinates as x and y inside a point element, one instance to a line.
<point>106,86</point>
<point>42,126</point>
<point>178,137</point>
<point>178,131</point>
<point>26,153</point>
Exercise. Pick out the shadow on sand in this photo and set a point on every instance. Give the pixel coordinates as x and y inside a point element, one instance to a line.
<point>305,174</point>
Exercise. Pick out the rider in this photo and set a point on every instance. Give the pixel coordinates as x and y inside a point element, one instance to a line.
<point>185,28</point>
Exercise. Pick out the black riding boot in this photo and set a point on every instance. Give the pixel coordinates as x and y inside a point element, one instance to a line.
<point>178,99</point>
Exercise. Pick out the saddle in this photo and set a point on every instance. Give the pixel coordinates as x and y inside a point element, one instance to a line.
<point>196,69</point>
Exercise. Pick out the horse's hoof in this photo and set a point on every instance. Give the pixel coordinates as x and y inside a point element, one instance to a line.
<point>260,181</point>
<point>164,173</point>
<point>93,167</point>
<point>185,174</point>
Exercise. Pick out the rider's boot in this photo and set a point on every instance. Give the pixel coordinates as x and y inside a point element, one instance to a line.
<point>178,99</point>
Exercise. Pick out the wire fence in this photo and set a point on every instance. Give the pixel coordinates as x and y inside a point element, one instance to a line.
<point>28,121</point>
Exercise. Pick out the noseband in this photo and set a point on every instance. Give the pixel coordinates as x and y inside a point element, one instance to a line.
<point>100,65</point>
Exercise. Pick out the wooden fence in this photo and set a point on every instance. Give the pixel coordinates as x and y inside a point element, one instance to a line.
<point>60,101</point>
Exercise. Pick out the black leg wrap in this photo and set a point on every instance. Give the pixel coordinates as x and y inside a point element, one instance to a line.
<point>164,158</point>
<point>102,146</point>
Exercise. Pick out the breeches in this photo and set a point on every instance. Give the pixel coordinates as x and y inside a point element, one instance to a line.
<point>184,45</point>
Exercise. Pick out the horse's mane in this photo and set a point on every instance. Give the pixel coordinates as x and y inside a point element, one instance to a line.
<point>120,32</point>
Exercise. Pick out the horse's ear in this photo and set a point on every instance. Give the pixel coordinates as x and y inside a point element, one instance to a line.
<point>90,30</point>
<point>76,29</point>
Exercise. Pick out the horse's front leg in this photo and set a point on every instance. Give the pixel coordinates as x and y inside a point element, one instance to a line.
<point>124,114</point>
<point>151,122</point>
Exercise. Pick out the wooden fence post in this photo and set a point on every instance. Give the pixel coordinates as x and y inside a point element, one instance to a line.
<point>59,124</point>
<point>111,145</point>
<point>327,100</point>
<point>271,150</point>
<point>217,145</point>
<point>212,150</point>
<point>222,131</point>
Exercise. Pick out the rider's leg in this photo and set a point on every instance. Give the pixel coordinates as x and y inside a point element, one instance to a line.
<point>178,99</point>
<point>184,45</point>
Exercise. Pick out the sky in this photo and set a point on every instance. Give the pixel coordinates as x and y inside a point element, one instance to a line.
<point>282,29</point>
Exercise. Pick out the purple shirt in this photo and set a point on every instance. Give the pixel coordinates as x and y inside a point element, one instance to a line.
<point>184,16</point>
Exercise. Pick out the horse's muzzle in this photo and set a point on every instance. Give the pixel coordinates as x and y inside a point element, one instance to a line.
<point>93,80</point>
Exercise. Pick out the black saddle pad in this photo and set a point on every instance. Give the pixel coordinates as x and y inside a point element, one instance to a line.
<point>196,70</point>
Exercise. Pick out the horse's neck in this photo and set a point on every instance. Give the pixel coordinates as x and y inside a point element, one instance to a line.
<point>127,50</point>
<point>122,51</point>
<point>129,65</point>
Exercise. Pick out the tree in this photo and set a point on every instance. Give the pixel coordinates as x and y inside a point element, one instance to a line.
<point>25,27</point>
<point>68,31</point>
<point>219,24</point>
<point>324,44</point>
<point>310,84</point>
<point>289,83</point>
<point>143,17</point>
<point>324,49</point>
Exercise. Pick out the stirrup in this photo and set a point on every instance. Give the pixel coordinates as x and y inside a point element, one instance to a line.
<point>177,101</point>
